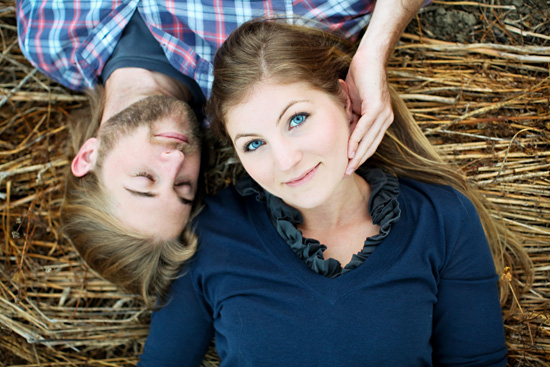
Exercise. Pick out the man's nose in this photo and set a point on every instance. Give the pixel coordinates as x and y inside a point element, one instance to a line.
<point>172,159</point>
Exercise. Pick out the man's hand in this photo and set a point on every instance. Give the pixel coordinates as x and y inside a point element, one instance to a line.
<point>370,97</point>
<point>367,77</point>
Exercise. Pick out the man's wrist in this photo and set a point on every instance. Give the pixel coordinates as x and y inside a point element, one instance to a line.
<point>372,59</point>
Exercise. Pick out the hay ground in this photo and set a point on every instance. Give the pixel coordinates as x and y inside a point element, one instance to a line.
<point>476,76</point>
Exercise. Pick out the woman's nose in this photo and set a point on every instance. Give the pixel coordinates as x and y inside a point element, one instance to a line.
<point>286,157</point>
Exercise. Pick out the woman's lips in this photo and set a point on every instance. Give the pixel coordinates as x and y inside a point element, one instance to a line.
<point>304,178</point>
<point>174,135</point>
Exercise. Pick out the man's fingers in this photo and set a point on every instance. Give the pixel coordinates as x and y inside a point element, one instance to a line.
<point>366,141</point>
<point>358,144</point>
<point>352,166</point>
<point>372,147</point>
<point>359,131</point>
<point>365,150</point>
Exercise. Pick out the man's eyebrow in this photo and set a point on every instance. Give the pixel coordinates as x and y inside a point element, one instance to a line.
<point>147,194</point>
<point>185,201</point>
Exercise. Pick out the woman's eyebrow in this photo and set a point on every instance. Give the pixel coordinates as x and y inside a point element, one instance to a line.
<point>292,103</point>
<point>238,136</point>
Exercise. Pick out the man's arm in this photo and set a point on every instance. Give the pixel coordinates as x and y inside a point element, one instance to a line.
<point>367,77</point>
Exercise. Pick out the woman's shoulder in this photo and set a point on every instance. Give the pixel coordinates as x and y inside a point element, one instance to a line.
<point>444,198</point>
<point>453,229</point>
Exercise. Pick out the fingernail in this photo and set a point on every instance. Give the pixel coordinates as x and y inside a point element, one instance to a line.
<point>349,172</point>
<point>352,154</point>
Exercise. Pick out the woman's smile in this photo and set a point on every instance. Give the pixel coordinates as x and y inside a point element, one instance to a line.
<point>303,179</point>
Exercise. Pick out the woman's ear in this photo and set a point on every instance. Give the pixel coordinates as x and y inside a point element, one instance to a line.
<point>86,158</point>
<point>345,98</point>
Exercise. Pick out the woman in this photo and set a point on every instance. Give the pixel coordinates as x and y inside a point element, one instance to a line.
<point>303,265</point>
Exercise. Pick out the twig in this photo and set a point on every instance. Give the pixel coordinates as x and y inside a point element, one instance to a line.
<point>473,3</point>
<point>526,33</point>
<point>14,90</point>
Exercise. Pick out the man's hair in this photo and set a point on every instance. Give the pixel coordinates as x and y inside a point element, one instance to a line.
<point>134,262</point>
<point>262,50</point>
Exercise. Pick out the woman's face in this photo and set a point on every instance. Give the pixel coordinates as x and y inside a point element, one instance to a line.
<point>292,140</point>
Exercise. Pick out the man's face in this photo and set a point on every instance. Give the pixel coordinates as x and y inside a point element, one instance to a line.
<point>150,173</point>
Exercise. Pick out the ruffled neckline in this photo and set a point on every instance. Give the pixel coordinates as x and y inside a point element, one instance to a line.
<point>383,207</point>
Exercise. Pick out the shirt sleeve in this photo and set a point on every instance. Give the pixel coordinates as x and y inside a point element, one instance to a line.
<point>468,327</point>
<point>181,330</point>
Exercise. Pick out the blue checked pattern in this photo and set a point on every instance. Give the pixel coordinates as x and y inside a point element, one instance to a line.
<point>70,41</point>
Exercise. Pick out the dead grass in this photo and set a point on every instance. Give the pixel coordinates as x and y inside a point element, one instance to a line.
<point>485,105</point>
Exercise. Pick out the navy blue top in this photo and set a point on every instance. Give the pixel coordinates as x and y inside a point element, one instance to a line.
<point>427,295</point>
<point>382,206</point>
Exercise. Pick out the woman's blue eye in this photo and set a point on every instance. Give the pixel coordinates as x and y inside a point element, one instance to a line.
<point>253,145</point>
<point>297,119</point>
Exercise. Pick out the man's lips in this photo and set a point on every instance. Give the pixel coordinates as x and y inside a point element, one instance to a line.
<point>174,135</point>
<point>306,177</point>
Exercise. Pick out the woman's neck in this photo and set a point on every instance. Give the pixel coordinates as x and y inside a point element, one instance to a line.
<point>347,207</point>
<point>344,223</point>
<point>126,86</point>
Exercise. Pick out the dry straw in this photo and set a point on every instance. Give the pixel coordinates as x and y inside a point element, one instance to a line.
<point>485,105</point>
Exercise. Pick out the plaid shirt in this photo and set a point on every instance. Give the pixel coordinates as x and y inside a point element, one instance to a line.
<point>70,41</point>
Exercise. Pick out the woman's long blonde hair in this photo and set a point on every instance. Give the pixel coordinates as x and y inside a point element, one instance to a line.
<point>271,49</point>
<point>134,262</point>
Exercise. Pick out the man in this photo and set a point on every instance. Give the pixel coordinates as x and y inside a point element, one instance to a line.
<point>140,49</point>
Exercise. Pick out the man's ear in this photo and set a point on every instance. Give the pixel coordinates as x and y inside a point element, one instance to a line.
<point>86,158</point>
